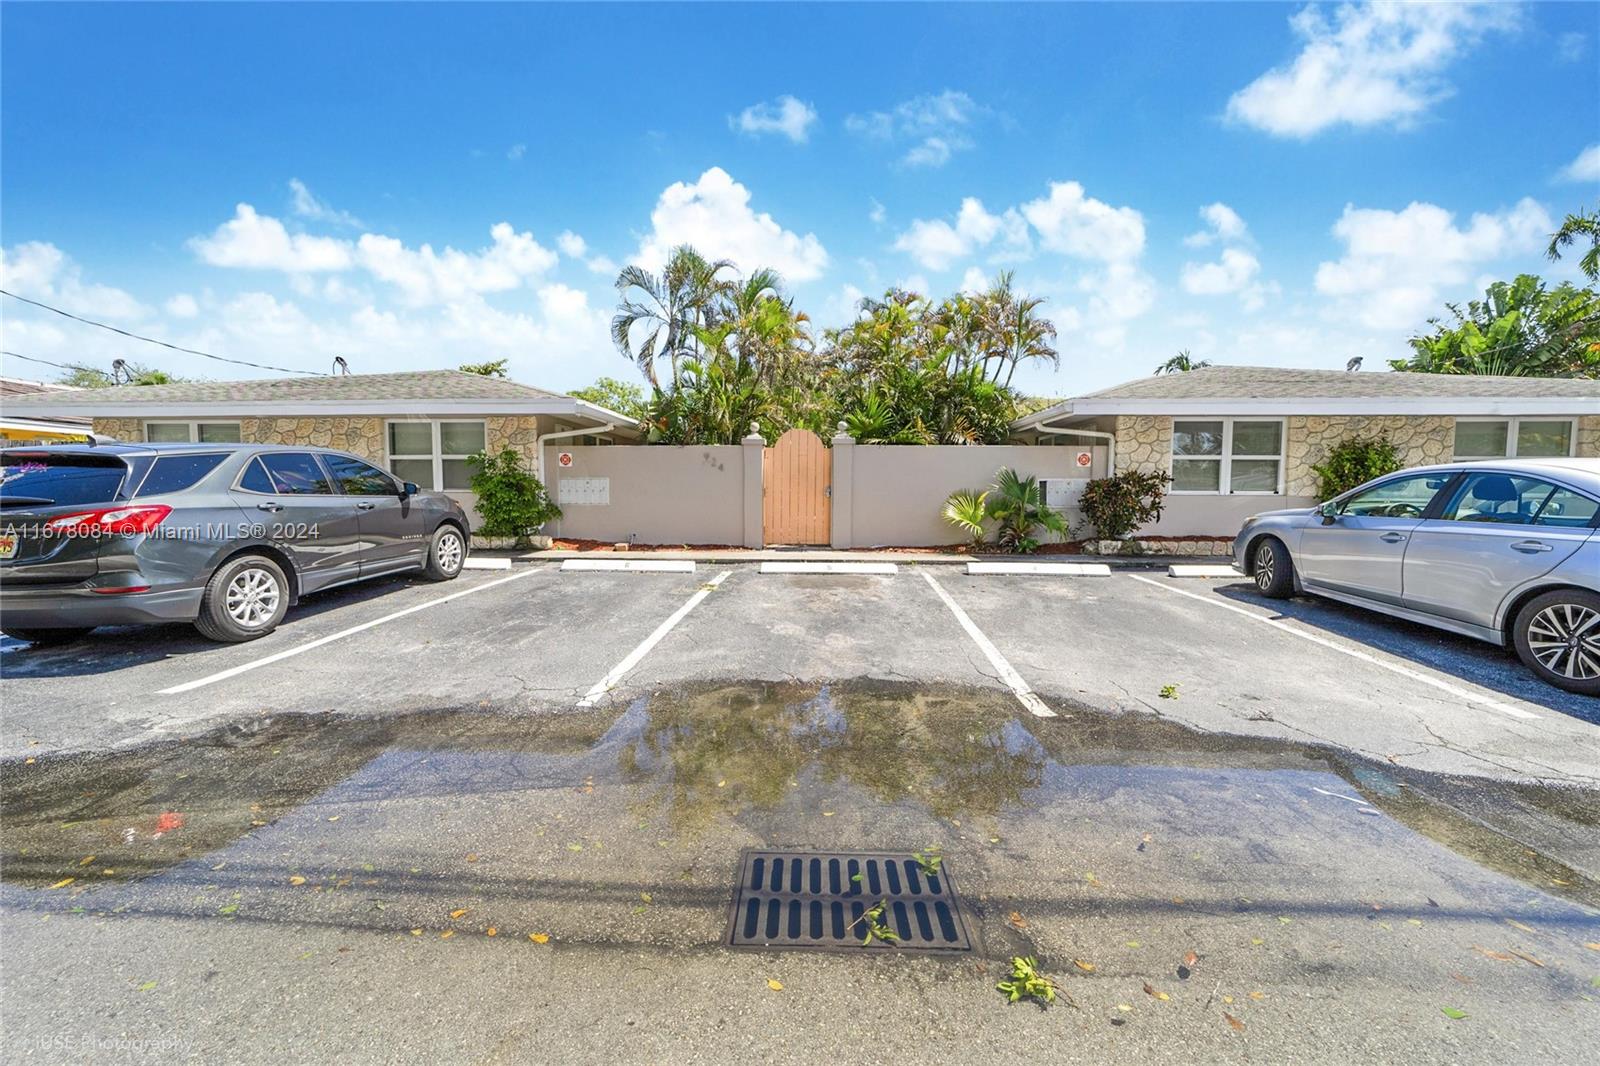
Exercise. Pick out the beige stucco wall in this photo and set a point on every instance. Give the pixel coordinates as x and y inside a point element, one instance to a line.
<point>893,495</point>
<point>661,494</point>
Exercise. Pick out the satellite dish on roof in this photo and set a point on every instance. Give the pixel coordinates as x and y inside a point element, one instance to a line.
<point>1353,365</point>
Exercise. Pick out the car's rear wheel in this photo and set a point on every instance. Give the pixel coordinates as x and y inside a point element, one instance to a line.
<point>47,636</point>
<point>446,555</point>
<point>246,598</point>
<point>1272,568</point>
<point>1557,634</point>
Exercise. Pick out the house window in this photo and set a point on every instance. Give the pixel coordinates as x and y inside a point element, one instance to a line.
<point>1505,438</point>
<point>191,432</point>
<point>433,454</point>
<point>1228,456</point>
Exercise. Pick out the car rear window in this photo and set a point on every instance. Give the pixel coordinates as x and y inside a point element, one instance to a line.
<point>296,474</point>
<point>42,479</point>
<point>174,473</point>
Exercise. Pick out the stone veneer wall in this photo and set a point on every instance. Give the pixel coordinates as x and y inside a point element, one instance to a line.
<point>126,430</point>
<point>1143,443</point>
<point>1420,440</point>
<point>1589,436</point>
<point>517,432</point>
<point>359,435</point>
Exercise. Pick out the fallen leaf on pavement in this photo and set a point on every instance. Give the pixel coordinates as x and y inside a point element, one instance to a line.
<point>1235,1022</point>
<point>472,856</point>
<point>86,860</point>
<point>1015,918</point>
<point>148,985</point>
<point>539,938</point>
<point>1086,967</point>
<point>334,817</point>
<point>1593,946</point>
<point>646,897</point>
<point>1134,944</point>
<point>1498,956</point>
<point>462,913</point>
<point>64,882</point>
<point>491,931</point>
<point>1190,959</point>
<point>1513,923</point>
<point>1528,958</point>
<point>1453,1012</point>
<point>416,932</point>
<point>776,986</point>
<point>1151,990</point>
<point>297,880</point>
<point>1258,995</point>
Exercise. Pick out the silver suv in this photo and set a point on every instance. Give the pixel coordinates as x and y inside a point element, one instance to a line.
<point>224,536</point>
<point>1507,551</point>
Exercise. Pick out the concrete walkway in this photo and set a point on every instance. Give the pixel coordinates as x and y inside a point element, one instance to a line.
<point>824,555</point>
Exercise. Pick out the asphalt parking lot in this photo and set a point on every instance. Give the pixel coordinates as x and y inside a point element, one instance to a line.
<point>1253,829</point>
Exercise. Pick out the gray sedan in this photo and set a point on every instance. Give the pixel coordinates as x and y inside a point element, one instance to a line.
<point>224,536</point>
<point>1506,551</point>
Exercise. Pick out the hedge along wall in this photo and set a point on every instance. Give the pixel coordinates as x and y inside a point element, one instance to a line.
<point>658,494</point>
<point>893,495</point>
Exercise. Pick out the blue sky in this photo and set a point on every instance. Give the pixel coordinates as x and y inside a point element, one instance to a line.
<point>416,186</point>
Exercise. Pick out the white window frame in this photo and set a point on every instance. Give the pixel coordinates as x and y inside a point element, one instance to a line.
<point>1513,426</point>
<point>436,456</point>
<point>1225,477</point>
<point>194,427</point>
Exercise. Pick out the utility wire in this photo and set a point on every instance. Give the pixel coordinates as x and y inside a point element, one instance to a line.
<point>152,340</point>
<point>46,362</point>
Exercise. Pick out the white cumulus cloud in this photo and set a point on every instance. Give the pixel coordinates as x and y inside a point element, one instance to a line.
<point>1584,168</point>
<point>714,215</point>
<point>182,305</point>
<point>1074,224</point>
<point>1231,273</point>
<point>1370,64</point>
<point>934,126</point>
<point>786,115</point>
<point>306,205</point>
<point>426,276</point>
<point>935,243</point>
<point>1223,224</point>
<point>260,242</point>
<point>1397,264</point>
<point>41,271</point>
<point>575,247</point>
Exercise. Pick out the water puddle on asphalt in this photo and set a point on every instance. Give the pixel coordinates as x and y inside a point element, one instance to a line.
<point>698,772</point>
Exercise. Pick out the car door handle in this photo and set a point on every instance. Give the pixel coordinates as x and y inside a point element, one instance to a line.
<point>269,506</point>
<point>1530,547</point>
<point>1392,538</point>
<point>365,506</point>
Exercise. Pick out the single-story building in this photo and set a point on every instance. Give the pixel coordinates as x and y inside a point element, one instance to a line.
<point>1238,440</point>
<point>42,429</point>
<point>420,425</point>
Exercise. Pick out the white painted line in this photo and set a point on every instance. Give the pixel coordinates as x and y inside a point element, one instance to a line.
<point>486,563</point>
<point>1050,569</point>
<point>632,566</point>
<point>1355,653</point>
<point>1200,570</point>
<point>223,675</point>
<point>617,672</point>
<point>1013,680</point>
<point>829,568</point>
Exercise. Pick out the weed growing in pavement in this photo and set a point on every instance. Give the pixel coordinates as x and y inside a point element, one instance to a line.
<point>929,861</point>
<point>873,916</point>
<point>1027,982</point>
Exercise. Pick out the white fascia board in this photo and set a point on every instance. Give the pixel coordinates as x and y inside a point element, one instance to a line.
<point>1279,408</point>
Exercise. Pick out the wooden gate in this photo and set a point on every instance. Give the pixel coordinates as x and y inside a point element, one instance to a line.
<point>796,475</point>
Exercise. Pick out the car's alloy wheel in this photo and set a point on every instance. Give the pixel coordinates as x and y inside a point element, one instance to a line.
<point>1564,638</point>
<point>1266,566</point>
<point>252,598</point>
<point>449,552</point>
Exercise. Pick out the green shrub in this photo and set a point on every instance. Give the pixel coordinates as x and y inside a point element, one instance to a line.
<point>1354,461</point>
<point>511,500</point>
<point>1117,506</point>
<point>1016,504</point>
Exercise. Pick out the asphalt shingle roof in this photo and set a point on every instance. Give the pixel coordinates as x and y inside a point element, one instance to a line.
<point>365,388</point>
<point>1271,382</point>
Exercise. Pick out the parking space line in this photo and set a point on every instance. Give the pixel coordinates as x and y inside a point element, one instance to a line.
<point>617,672</point>
<point>1025,695</point>
<point>287,653</point>
<point>1042,569</point>
<point>1393,668</point>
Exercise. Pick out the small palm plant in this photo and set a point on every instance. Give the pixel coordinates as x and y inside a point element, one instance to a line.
<point>968,510</point>
<point>1018,507</point>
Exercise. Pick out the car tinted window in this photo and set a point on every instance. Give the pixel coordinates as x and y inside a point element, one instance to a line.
<point>174,473</point>
<point>40,479</point>
<point>356,478</point>
<point>296,474</point>
<point>1402,497</point>
<point>1569,509</point>
<point>1500,498</point>
<point>255,479</point>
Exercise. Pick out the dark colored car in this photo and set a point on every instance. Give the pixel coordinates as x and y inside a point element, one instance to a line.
<point>224,536</point>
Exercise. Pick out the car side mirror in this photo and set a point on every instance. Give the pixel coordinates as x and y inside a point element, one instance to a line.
<point>1329,512</point>
<point>408,488</point>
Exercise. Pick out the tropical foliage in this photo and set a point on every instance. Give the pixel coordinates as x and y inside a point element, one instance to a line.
<point>511,500</point>
<point>1519,327</point>
<point>1014,503</point>
<point>720,352</point>
<point>623,397</point>
<point>1355,461</point>
<point>1580,228</point>
<point>494,368</point>
<point>1182,363</point>
<point>89,377</point>
<point>1117,506</point>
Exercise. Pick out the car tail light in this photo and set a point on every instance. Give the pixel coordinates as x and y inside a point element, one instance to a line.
<point>141,518</point>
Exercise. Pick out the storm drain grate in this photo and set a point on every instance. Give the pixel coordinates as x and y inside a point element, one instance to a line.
<point>815,900</point>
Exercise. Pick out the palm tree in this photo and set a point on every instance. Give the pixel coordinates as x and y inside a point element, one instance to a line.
<point>666,310</point>
<point>1182,363</point>
<point>1577,228</point>
<point>1015,329</point>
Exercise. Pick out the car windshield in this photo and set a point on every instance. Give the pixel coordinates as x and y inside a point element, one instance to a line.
<point>44,479</point>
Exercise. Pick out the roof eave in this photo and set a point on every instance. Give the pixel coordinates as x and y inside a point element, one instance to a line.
<point>1462,406</point>
<point>565,406</point>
